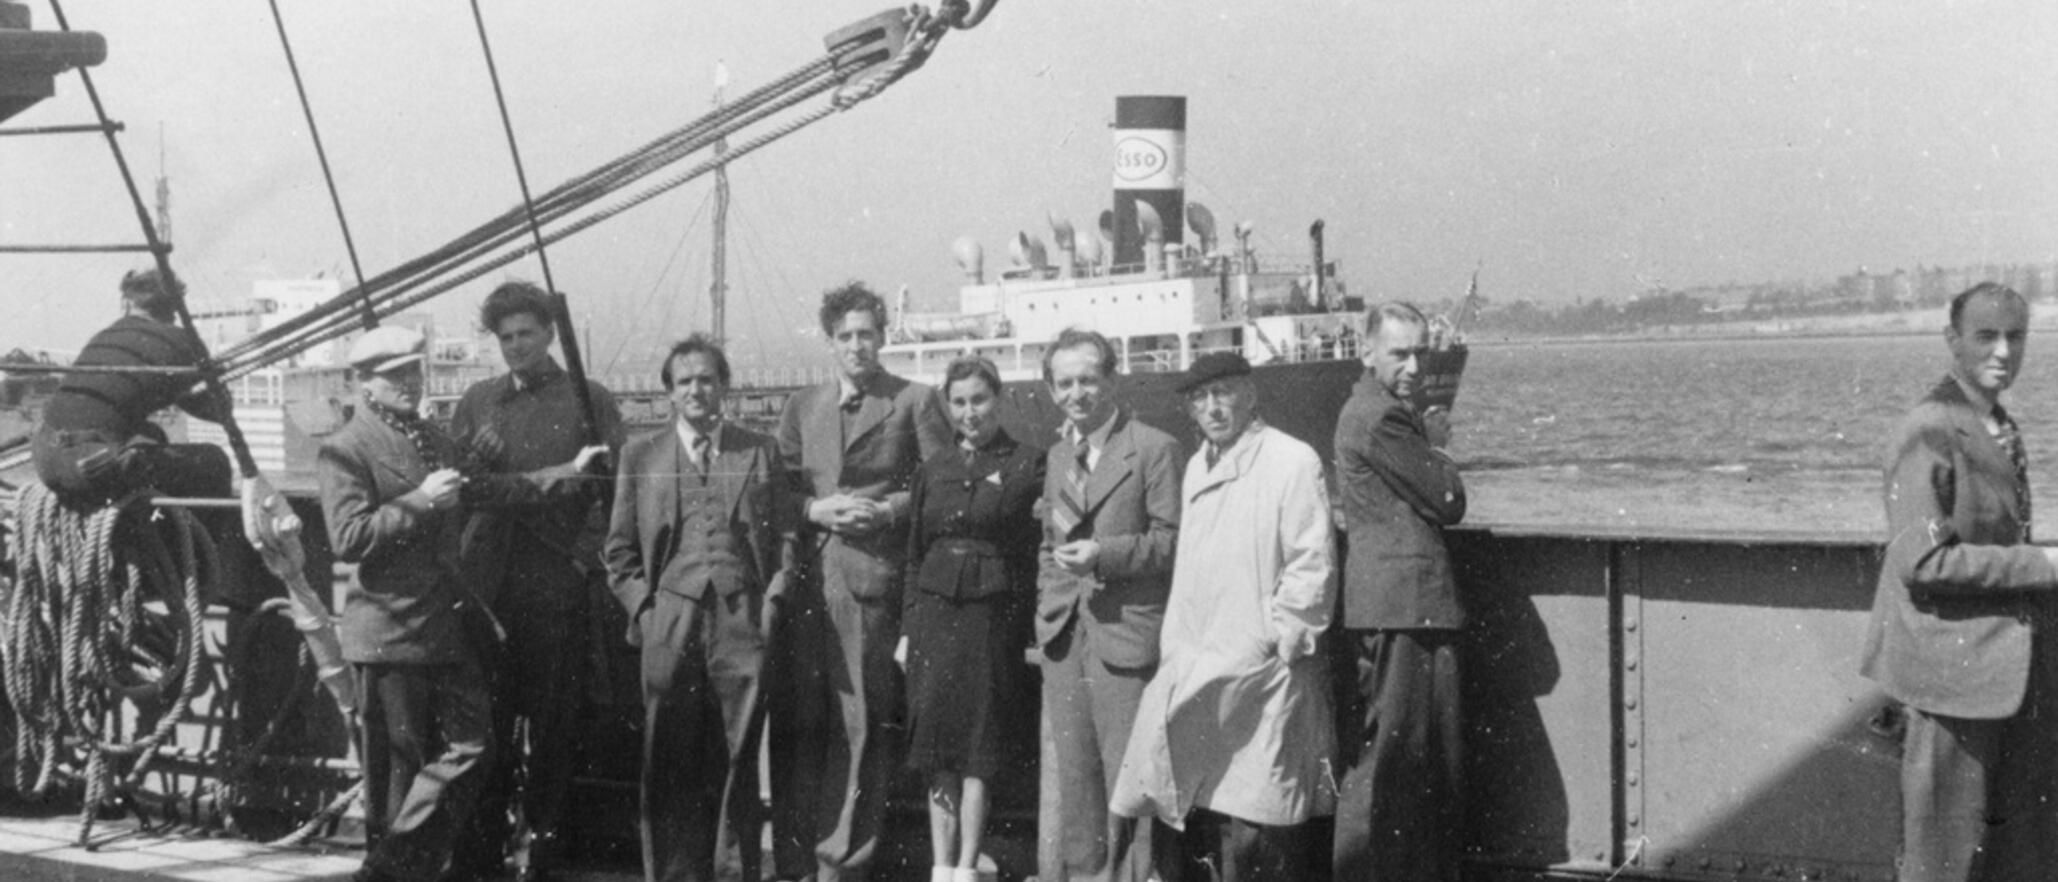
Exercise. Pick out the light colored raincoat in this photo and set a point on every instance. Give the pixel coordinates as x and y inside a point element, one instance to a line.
<point>1238,717</point>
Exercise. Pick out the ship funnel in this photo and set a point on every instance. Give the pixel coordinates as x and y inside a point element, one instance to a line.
<point>1152,229</point>
<point>971,259</point>
<point>1062,235</point>
<point>1202,222</point>
<point>1092,252</point>
<point>1150,170</point>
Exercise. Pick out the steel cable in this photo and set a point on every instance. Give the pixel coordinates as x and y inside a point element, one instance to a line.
<point>403,287</point>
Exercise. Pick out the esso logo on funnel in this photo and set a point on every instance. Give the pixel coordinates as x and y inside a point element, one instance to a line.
<point>1147,160</point>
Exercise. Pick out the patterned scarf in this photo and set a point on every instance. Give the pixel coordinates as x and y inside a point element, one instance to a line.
<point>414,427</point>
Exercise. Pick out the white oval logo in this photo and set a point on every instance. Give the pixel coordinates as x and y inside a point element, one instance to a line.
<point>1138,159</point>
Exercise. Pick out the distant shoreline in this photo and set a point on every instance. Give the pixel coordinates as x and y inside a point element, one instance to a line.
<point>1913,323</point>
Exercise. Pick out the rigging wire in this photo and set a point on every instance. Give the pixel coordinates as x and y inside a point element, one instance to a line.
<point>321,324</point>
<point>314,133</point>
<point>582,390</point>
<point>406,282</point>
<point>481,250</point>
<point>160,253</point>
<point>514,150</point>
<point>650,296</point>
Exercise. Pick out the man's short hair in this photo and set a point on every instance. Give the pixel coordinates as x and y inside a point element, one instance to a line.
<point>1394,311</point>
<point>966,367</point>
<point>147,291</point>
<point>1075,336</point>
<point>1980,290</point>
<point>848,298</point>
<point>515,298</point>
<point>698,343</point>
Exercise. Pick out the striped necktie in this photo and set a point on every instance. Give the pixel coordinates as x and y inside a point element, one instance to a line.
<point>701,445</point>
<point>2009,436</point>
<point>1070,512</point>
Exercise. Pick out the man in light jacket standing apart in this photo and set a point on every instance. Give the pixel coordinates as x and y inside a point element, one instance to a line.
<point>1958,623</point>
<point>1235,740</point>
<point>1402,802</point>
<point>1111,520</point>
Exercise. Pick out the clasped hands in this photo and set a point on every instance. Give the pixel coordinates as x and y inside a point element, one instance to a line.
<point>849,515</point>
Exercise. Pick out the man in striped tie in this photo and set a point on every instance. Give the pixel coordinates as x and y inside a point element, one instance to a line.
<point>1111,500</point>
<point>1958,623</point>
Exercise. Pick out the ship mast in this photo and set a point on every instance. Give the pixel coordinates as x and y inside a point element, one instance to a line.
<point>718,286</point>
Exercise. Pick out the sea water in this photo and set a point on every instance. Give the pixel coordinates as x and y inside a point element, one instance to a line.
<point>1757,435</point>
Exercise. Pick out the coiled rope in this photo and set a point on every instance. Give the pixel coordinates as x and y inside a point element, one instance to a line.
<point>106,611</point>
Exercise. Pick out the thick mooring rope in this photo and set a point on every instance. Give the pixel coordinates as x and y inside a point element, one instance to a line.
<point>82,635</point>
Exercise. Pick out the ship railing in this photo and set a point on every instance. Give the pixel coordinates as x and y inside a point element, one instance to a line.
<point>258,389</point>
<point>1016,359</point>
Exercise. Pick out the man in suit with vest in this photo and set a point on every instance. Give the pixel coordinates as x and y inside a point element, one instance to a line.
<point>1958,630</point>
<point>1402,802</point>
<point>853,445</point>
<point>1111,521</point>
<point>696,542</point>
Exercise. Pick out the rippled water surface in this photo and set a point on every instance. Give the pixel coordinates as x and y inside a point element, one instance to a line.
<point>1760,434</point>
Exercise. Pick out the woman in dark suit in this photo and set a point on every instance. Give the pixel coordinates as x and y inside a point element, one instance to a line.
<point>971,575</point>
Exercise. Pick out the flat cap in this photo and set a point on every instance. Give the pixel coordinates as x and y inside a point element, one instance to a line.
<point>387,347</point>
<point>1213,366</point>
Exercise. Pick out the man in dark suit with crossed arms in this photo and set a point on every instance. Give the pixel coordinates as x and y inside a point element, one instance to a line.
<point>1957,631</point>
<point>853,445</point>
<point>1111,499</point>
<point>696,543</point>
<point>1401,803</point>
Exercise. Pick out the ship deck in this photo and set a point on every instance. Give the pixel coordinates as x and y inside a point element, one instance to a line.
<point>41,846</point>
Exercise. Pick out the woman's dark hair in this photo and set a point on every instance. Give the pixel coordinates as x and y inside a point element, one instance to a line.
<point>967,367</point>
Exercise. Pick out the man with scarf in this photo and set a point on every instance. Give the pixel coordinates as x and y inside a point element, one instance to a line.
<point>394,502</point>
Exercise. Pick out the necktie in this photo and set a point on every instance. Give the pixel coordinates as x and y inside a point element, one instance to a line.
<point>2009,436</point>
<point>1070,511</point>
<point>700,453</point>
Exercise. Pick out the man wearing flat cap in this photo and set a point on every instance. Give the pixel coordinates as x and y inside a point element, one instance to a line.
<point>394,501</point>
<point>1234,740</point>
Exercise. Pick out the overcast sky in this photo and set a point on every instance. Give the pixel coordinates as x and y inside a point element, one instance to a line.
<point>1578,150</point>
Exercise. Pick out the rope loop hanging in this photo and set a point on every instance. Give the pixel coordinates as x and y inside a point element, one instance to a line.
<point>104,628</point>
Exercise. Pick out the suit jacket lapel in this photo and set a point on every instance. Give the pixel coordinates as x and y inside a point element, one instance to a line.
<point>872,410</point>
<point>662,467</point>
<point>822,453</point>
<point>730,467</point>
<point>1979,442</point>
<point>1117,463</point>
<point>1230,469</point>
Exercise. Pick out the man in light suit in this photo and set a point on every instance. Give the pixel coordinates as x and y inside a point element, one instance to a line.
<point>1958,623</point>
<point>696,543</point>
<point>1402,801</point>
<point>852,445</point>
<point>1111,522</point>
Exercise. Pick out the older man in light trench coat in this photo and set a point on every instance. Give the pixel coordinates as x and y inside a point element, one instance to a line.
<point>1234,741</point>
